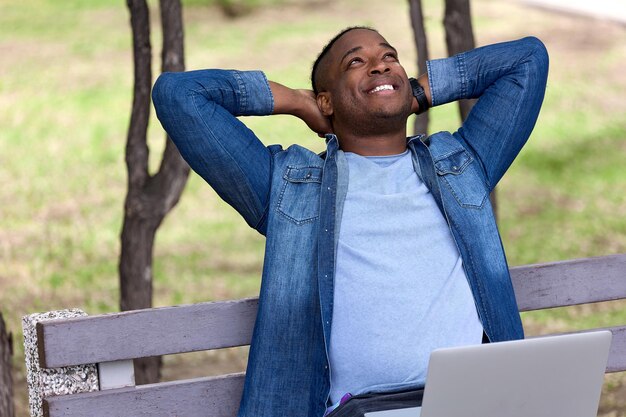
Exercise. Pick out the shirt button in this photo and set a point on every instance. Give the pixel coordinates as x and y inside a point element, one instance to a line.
<point>455,168</point>
<point>308,175</point>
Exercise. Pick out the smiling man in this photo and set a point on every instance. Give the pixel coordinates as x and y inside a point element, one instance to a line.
<point>383,247</point>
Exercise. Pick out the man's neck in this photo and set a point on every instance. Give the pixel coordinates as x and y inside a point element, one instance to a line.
<point>378,145</point>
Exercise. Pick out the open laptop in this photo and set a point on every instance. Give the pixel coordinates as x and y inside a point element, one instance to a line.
<point>556,376</point>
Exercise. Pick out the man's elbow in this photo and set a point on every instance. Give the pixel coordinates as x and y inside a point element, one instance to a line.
<point>164,89</point>
<point>538,56</point>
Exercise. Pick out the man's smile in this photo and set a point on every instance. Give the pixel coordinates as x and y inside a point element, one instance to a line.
<point>382,87</point>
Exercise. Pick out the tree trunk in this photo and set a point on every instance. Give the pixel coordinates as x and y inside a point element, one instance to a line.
<point>6,382</point>
<point>460,38</point>
<point>149,198</point>
<point>421,42</point>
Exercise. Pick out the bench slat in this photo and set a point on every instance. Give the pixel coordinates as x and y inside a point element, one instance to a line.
<point>215,325</point>
<point>566,283</point>
<point>617,354</point>
<point>215,397</point>
<point>143,333</point>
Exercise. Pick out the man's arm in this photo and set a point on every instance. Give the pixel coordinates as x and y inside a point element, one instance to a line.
<point>509,80</point>
<point>199,110</point>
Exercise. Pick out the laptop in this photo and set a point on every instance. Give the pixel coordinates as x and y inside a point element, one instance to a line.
<point>555,376</point>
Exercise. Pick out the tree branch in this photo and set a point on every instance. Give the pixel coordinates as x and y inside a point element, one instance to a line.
<point>171,178</point>
<point>459,37</point>
<point>173,54</point>
<point>421,42</point>
<point>148,199</point>
<point>137,151</point>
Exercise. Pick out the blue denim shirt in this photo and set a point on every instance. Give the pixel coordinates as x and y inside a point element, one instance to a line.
<point>294,197</point>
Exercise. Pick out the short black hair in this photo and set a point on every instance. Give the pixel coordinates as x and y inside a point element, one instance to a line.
<point>327,48</point>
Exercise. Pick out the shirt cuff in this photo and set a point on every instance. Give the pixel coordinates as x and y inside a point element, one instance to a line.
<point>447,78</point>
<point>255,95</point>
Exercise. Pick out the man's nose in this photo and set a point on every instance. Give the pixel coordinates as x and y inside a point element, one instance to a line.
<point>379,67</point>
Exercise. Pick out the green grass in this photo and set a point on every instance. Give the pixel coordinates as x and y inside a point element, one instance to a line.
<point>65,94</point>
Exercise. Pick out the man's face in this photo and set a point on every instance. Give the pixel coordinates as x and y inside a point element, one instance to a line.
<point>364,82</point>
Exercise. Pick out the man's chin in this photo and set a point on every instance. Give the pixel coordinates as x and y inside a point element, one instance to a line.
<point>383,122</point>
<point>391,114</point>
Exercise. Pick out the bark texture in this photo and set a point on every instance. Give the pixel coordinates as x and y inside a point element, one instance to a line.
<point>421,42</point>
<point>6,382</point>
<point>459,37</point>
<point>149,197</point>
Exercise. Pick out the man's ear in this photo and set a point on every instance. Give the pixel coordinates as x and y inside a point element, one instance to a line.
<point>325,103</point>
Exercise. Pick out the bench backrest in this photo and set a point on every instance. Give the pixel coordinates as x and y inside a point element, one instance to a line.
<point>111,340</point>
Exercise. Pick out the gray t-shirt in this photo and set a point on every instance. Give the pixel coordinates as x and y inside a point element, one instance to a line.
<point>400,288</point>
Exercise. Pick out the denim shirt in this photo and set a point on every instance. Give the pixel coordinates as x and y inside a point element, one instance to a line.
<point>295,197</point>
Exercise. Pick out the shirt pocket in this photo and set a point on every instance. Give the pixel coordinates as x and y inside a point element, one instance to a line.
<point>300,195</point>
<point>458,172</point>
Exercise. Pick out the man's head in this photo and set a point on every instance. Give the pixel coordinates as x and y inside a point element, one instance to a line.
<point>360,83</point>
<point>316,71</point>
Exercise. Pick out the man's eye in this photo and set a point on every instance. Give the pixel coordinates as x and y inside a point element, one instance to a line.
<point>391,56</point>
<point>354,61</point>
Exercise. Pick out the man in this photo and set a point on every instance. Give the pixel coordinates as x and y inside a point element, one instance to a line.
<point>382,248</point>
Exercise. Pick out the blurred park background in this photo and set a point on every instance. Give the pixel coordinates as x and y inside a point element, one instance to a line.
<point>65,97</point>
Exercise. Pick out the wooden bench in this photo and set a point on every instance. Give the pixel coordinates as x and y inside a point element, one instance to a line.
<point>112,340</point>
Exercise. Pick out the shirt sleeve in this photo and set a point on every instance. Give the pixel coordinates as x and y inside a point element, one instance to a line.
<point>199,110</point>
<point>509,81</point>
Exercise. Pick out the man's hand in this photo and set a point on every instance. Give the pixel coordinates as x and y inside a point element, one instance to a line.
<point>302,104</point>
<point>311,114</point>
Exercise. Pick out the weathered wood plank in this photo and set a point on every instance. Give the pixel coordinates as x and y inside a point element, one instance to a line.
<point>215,397</point>
<point>143,333</point>
<point>617,354</point>
<point>572,282</point>
<point>206,326</point>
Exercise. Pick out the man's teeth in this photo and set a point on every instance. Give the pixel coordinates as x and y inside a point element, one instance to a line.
<point>381,88</point>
